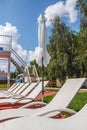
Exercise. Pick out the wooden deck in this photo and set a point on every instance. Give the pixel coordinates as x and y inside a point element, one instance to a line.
<point>4,54</point>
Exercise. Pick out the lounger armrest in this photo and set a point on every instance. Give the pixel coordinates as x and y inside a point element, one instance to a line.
<point>33,103</point>
<point>21,99</point>
<point>17,96</point>
<point>58,111</point>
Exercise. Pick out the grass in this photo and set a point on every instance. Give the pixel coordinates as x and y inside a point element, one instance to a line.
<point>77,103</point>
<point>3,85</point>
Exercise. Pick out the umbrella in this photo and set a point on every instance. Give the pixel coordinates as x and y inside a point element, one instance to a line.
<point>43,56</point>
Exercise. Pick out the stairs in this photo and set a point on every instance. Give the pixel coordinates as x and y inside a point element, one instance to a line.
<point>23,68</point>
<point>19,68</point>
<point>14,58</point>
<point>6,52</point>
<point>17,61</point>
<point>20,64</point>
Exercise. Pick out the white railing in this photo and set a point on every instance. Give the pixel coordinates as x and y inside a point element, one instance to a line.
<point>5,42</point>
<point>17,58</point>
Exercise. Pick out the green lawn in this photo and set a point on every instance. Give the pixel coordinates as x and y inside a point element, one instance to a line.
<point>77,103</point>
<point>3,85</point>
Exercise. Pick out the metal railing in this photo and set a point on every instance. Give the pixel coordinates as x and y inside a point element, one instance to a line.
<point>17,58</point>
<point>36,74</point>
<point>5,42</point>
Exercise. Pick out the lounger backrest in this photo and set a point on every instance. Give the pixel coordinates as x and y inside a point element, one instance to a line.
<point>29,89</point>
<point>37,90</point>
<point>18,88</point>
<point>14,88</point>
<point>23,87</point>
<point>67,92</point>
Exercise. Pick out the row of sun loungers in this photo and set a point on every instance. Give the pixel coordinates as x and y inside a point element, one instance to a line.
<point>17,90</point>
<point>42,118</point>
<point>28,95</point>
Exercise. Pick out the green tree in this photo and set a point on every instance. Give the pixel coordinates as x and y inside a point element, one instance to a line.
<point>81,59</point>
<point>82,5</point>
<point>62,49</point>
<point>82,52</point>
<point>14,74</point>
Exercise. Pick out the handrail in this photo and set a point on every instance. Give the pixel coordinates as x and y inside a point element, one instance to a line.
<point>27,73</point>
<point>5,35</point>
<point>4,44</point>
<point>19,58</point>
<point>35,73</point>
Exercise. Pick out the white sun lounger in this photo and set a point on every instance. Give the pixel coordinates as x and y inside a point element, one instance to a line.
<point>75,122</point>
<point>12,87</point>
<point>8,92</point>
<point>32,96</point>
<point>9,89</point>
<point>16,97</point>
<point>14,92</point>
<point>60,101</point>
<point>25,99</point>
<point>19,92</point>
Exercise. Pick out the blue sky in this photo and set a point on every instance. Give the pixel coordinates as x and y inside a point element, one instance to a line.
<point>23,14</point>
<point>19,19</point>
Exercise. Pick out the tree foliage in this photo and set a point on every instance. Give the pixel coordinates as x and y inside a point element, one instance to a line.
<point>62,46</point>
<point>68,49</point>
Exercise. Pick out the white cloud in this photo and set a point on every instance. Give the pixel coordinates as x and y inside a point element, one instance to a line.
<point>62,9</point>
<point>10,30</point>
<point>31,55</point>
